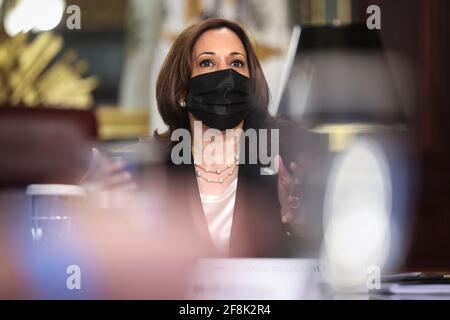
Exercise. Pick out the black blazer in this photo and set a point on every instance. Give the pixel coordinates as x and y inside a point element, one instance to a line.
<point>257,230</point>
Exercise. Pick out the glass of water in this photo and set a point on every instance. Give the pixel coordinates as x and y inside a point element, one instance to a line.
<point>53,210</point>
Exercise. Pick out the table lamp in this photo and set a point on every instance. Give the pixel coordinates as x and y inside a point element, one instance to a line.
<point>340,83</point>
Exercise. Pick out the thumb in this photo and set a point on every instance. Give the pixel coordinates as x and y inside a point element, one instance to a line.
<point>282,171</point>
<point>94,164</point>
<point>96,159</point>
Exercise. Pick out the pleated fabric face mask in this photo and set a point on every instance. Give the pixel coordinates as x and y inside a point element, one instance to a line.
<point>220,99</point>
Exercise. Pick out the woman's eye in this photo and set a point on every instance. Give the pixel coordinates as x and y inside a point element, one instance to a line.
<point>237,64</point>
<point>206,63</point>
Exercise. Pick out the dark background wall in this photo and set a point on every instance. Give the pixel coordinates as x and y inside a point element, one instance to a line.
<point>102,42</point>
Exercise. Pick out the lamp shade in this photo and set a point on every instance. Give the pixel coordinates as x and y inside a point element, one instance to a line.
<point>340,76</point>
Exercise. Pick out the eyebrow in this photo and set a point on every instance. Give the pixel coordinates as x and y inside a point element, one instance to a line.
<point>213,54</point>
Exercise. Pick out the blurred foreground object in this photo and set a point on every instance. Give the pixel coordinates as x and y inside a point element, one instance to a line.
<point>29,74</point>
<point>37,146</point>
<point>255,279</point>
<point>367,210</point>
<point>29,15</point>
<point>50,214</point>
<point>356,215</point>
<point>43,145</point>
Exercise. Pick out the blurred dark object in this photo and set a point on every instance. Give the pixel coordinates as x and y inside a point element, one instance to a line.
<point>42,145</point>
<point>340,76</point>
<point>99,15</point>
<point>418,29</point>
<point>330,37</point>
<point>105,52</point>
<point>101,41</point>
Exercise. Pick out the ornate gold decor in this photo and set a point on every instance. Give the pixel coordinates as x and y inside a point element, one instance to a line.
<point>29,74</point>
<point>121,123</point>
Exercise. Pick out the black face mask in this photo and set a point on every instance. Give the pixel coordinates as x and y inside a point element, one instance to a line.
<point>220,99</point>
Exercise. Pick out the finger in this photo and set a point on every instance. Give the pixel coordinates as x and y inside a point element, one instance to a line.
<point>283,173</point>
<point>96,157</point>
<point>284,211</point>
<point>118,179</point>
<point>285,188</point>
<point>93,187</point>
<point>114,165</point>
<point>294,201</point>
<point>287,216</point>
<point>293,166</point>
<point>286,219</point>
<point>281,168</point>
<point>291,210</point>
<point>290,200</point>
<point>298,171</point>
<point>126,187</point>
<point>95,165</point>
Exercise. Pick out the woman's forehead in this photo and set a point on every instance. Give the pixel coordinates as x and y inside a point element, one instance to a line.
<point>219,41</point>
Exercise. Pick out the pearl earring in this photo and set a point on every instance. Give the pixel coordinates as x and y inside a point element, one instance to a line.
<point>182,103</point>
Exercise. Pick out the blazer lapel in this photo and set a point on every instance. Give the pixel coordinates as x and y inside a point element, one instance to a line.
<point>257,230</point>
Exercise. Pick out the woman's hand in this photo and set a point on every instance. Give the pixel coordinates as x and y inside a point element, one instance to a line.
<point>106,175</point>
<point>292,208</point>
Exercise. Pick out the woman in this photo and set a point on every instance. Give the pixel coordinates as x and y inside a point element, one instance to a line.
<point>225,204</point>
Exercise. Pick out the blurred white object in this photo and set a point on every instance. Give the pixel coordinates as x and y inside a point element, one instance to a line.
<point>55,190</point>
<point>356,215</point>
<point>42,15</point>
<point>135,82</point>
<point>52,211</point>
<point>260,279</point>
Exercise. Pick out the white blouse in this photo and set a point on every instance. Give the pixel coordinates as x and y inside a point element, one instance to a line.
<point>219,216</point>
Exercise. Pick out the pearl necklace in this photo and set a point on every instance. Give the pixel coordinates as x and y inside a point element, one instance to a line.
<point>229,167</point>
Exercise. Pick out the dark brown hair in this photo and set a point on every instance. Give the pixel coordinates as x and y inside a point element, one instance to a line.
<point>173,78</point>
